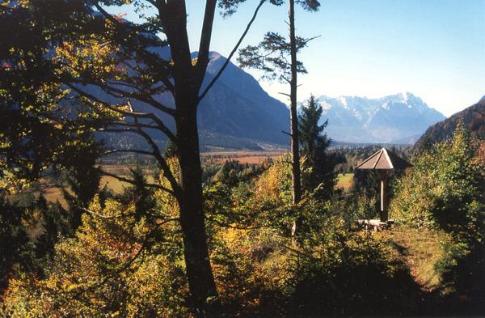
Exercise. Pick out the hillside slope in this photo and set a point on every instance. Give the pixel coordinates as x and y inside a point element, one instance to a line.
<point>473,118</point>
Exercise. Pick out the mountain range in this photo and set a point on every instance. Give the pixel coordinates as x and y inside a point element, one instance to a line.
<point>238,113</point>
<point>399,118</point>
<point>239,108</point>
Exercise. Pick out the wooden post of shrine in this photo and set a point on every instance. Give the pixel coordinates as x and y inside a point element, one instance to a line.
<point>384,214</point>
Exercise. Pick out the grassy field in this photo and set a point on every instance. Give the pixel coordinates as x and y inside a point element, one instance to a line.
<point>420,249</point>
<point>118,186</point>
<point>345,181</point>
<point>250,157</point>
<point>54,194</point>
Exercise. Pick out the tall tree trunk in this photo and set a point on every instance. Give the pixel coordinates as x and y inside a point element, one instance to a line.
<point>198,267</point>
<point>295,151</point>
<point>187,84</point>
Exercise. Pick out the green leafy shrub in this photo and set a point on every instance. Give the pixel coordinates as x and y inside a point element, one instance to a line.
<point>442,190</point>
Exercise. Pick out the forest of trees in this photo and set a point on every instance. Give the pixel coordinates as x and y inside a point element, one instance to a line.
<point>181,237</point>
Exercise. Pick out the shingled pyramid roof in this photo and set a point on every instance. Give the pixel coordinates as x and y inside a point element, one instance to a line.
<point>383,160</point>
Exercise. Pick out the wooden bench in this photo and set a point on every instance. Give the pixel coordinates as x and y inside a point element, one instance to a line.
<point>374,224</point>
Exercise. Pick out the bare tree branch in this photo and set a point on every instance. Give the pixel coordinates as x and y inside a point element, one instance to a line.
<point>161,126</point>
<point>219,73</point>
<point>123,26</point>
<point>132,125</point>
<point>130,181</point>
<point>139,131</point>
<point>205,39</point>
<point>119,93</point>
<point>137,151</point>
<point>157,154</point>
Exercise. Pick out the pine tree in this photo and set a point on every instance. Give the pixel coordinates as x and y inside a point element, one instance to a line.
<point>13,239</point>
<point>319,164</point>
<point>309,127</point>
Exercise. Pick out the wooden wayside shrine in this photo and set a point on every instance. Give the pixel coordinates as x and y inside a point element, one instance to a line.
<point>384,162</point>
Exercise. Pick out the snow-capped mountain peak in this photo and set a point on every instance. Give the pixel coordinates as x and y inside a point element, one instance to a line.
<point>405,96</point>
<point>343,100</point>
<point>325,105</point>
<point>362,119</point>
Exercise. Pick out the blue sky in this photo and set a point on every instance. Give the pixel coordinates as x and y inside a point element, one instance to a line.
<point>434,49</point>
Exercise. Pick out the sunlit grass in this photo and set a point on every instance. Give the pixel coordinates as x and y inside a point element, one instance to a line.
<point>345,181</point>
<point>420,249</point>
<point>54,194</point>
